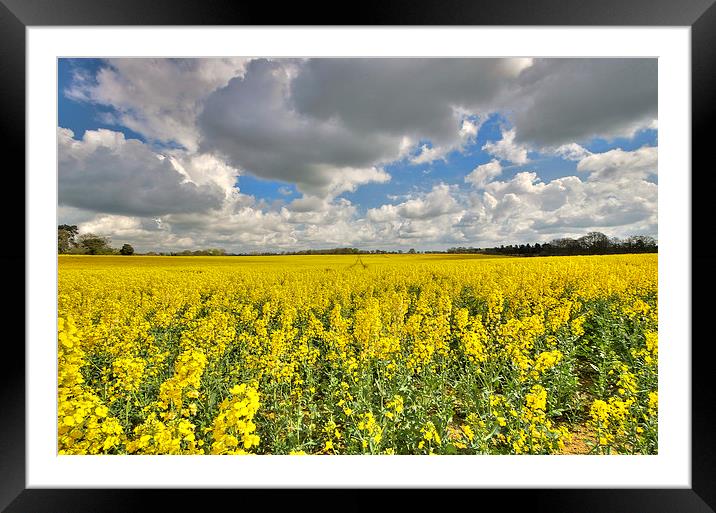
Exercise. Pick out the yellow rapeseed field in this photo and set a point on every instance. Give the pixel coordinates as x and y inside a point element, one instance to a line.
<point>378,354</point>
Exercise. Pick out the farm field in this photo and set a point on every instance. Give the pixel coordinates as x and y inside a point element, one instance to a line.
<point>377,354</point>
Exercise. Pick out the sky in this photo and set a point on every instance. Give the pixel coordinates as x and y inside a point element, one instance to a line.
<point>269,154</point>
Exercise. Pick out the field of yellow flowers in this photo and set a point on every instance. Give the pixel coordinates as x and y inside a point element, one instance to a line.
<point>377,354</point>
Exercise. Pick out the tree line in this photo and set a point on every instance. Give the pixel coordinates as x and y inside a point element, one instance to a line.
<point>593,243</point>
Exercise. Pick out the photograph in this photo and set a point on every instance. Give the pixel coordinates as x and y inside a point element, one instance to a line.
<point>395,253</point>
<point>265,255</point>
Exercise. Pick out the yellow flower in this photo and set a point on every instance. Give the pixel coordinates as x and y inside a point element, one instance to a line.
<point>225,355</point>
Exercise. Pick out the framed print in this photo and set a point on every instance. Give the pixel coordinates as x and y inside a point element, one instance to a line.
<point>413,249</point>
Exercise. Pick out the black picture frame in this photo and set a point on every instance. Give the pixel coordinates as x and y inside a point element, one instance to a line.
<point>17,15</point>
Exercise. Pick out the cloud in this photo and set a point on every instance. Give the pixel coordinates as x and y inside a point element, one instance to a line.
<point>507,149</point>
<point>527,209</point>
<point>521,209</point>
<point>559,101</point>
<point>419,98</point>
<point>617,164</point>
<point>551,102</point>
<point>428,154</point>
<point>308,204</point>
<point>429,216</point>
<point>483,174</point>
<point>158,98</point>
<point>307,121</point>
<point>467,134</point>
<point>104,172</point>
<point>438,202</point>
<point>324,127</point>
<point>328,125</point>
<point>243,224</point>
<point>204,169</point>
<point>249,122</point>
<point>572,151</point>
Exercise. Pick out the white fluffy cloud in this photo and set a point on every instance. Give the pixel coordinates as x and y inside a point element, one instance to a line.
<point>527,208</point>
<point>204,169</point>
<point>484,173</point>
<point>572,151</point>
<point>522,208</point>
<point>507,149</point>
<point>618,164</point>
<point>429,216</point>
<point>438,202</point>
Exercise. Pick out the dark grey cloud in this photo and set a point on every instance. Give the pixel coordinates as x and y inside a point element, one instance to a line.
<point>251,124</point>
<point>316,122</point>
<point>559,101</point>
<point>104,172</point>
<point>401,97</point>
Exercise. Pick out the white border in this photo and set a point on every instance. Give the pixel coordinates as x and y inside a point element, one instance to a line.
<point>670,468</point>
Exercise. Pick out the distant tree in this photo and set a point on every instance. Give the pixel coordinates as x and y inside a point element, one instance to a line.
<point>641,243</point>
<point>594,242</point>
<point>66,237</point>
<point>127,249</point>
<point>411,251</point>
<point>565,246</point>
<point>94,244</point>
